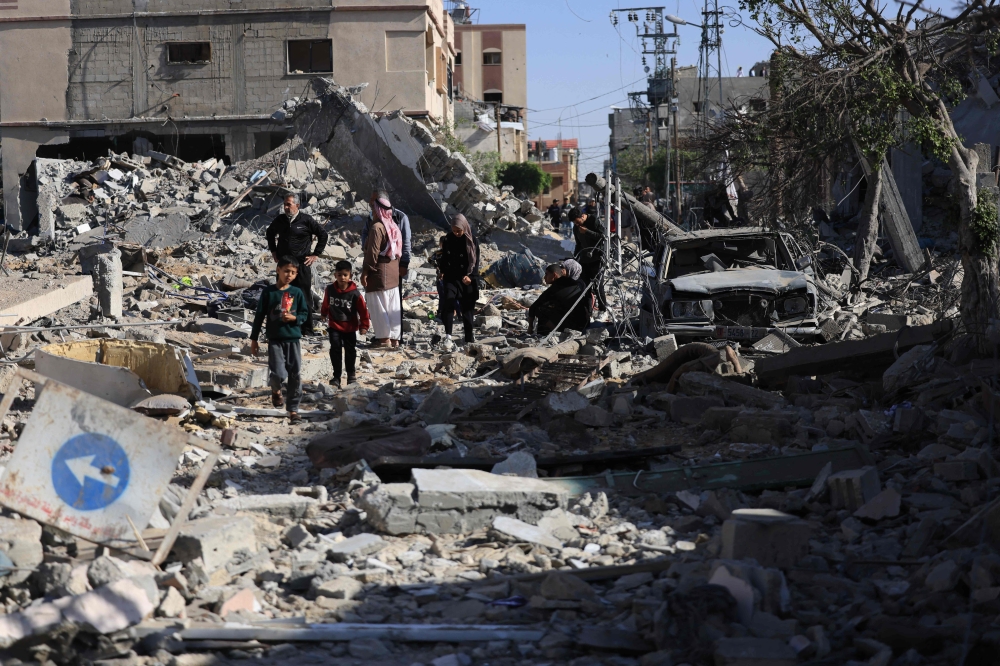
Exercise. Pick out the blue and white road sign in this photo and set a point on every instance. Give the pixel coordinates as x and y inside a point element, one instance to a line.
<point>90,471</point>
<point>90,467</point>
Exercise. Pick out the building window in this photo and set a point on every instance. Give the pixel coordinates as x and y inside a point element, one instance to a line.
<point>458,59</point>
<point>493,97</point>
<point>310,56</point>
<point>491,58</point>
<point>189,53</point>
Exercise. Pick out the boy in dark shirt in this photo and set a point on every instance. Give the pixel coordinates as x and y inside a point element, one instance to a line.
<point>285,309</point>
<point>346,313</point>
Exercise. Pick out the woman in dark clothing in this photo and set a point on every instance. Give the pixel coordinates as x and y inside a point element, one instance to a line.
<point>459,266</point>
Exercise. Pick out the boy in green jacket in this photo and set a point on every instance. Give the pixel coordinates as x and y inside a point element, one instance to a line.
<point>286,309</point>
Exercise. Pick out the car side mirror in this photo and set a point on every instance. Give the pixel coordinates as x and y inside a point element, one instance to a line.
<point>804,262</point>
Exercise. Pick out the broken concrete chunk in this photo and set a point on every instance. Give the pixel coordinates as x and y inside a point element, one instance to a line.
<point>21,541</point>
<point>943,577</point>
<point>884,505</point>
<point>702,383</point>
<point>276,506</point>
<point>522,531</point>
<point>436,407</point>
<point>566,402</point>
<point>594,416</point>
<point>468,489</point>
<point>519,463</point>
<point>853,488</point>
<point>360,545</point>
<point>114,607</point>
<point>771,537</point>
<point>664,346</point>
<point>215,540</point>
<point>691,409</point>
<point>341,587</point>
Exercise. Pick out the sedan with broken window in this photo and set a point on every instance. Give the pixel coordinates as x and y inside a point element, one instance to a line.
<point>736,284</point>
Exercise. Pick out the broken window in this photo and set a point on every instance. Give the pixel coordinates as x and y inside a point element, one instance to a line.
<point>491,58</point>
<point>493,97</point>
<point>310,56</point>
<point>189,53</point>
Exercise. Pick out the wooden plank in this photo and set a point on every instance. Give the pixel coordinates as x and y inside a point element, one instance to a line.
<point>757,474</point>
<point>871,355</point>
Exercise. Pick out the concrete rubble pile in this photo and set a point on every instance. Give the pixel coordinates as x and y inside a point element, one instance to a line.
<point>592,499</point>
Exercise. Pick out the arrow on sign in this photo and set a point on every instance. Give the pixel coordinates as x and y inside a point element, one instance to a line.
<point>83,467</point>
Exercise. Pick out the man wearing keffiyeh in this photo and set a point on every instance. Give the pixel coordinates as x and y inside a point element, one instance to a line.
<point>383,248</point>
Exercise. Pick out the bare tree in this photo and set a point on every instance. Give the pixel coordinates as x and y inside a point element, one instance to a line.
<point>844,71</point>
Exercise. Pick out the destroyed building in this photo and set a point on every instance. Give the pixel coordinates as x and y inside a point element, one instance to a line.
<point>202,80</point>
<point>601,497</point>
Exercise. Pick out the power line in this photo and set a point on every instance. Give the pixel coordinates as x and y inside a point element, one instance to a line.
<point>611,92</point>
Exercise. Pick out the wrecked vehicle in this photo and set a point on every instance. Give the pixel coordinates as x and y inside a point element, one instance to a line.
<point>733,284</point>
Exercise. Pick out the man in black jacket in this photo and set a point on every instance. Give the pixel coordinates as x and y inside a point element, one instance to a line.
<point>291,235</point>
<point>590,238</point>
<point>562,296</point>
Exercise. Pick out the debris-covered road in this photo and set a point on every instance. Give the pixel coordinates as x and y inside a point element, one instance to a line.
<point>607,497</point>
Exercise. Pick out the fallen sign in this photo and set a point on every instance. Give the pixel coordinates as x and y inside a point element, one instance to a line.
<point>95,469</point>
<point>758,474</point>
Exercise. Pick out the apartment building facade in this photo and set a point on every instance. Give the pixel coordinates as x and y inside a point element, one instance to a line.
<point>560,158</point>
<point>202,78</point>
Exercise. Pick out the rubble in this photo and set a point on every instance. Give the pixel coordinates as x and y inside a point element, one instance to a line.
<point>603,497</point>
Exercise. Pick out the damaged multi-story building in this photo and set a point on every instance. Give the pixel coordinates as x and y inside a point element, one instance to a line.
<point>200,79</point>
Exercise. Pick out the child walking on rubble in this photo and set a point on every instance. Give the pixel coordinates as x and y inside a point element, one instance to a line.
<point>286,309</point>
<point>346,313</point>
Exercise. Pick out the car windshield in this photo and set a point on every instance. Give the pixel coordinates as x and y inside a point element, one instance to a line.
<point>715,254</point>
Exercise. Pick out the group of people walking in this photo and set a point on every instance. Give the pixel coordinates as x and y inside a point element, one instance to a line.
<point>285,308</point>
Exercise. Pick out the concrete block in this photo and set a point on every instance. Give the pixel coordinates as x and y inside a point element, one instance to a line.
<point>468,489</point>
<point>907,420</point>
<point>360,545</point>
<point>436,407</point>
<point>770,537</point>
<point>519,463</point>
<point>215,540</point>
<point>852,489</point>
<point>566,402</point>
<point>116,606</point>
<point>957,470</point>
<point>276,506</point>
<point>594,416</point>
<point>522,531</point>
<point>664,346</point>
<point>342,587</point>
<point>685,409</point>
<point>884,505</point>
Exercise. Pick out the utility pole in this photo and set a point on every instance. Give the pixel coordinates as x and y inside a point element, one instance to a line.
<point>499,147</point>
<point>655,43</point>
<point>677,145</point>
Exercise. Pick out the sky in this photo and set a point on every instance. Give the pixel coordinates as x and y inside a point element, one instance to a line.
<point>575,54</point>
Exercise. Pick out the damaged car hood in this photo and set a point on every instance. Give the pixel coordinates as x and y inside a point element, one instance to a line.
<point>763,279</point>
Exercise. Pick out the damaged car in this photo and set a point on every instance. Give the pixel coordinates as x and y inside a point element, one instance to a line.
<point>735,284</point>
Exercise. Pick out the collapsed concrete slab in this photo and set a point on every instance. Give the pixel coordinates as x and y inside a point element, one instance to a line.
<point>453,501</point>
<point>396,153</point>
<point>121,371</point>
<point>25,300</point>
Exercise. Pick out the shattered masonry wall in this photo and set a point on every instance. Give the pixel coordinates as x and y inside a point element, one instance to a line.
<point>246,75</point>
<point>393,151</point>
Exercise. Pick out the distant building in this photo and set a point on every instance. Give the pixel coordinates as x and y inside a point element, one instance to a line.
<point>491,69</point>
<point>631,129</point>
<point>202,79</point>
<point>559,157</point>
